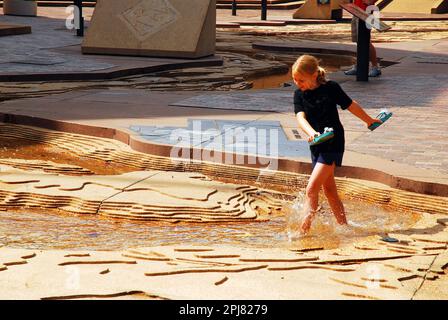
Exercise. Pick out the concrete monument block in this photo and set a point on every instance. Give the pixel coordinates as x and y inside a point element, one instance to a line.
<point>420,6</point>
<point>168,28</point>
<point>320,9</point>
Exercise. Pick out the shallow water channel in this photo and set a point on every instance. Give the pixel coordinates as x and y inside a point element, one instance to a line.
<point>51,230</point>
<point>330,62</point>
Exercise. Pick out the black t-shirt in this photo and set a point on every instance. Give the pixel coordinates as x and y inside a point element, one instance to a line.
<point>320,107</point>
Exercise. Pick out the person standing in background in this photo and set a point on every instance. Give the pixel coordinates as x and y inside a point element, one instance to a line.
<point>375,71</point>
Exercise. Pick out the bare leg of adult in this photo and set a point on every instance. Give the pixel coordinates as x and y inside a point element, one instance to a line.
<point>373,56</point>
<point>336,205</point>
<point>319,175</point>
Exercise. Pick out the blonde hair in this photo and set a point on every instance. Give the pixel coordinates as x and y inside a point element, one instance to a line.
<point>309,65</point>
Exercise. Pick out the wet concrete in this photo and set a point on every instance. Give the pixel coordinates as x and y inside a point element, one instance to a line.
<point>22,149</point>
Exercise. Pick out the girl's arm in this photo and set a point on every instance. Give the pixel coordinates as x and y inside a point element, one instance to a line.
<point>358,111</point>
<point>305,126</point>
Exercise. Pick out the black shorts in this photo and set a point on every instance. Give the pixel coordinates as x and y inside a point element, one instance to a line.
<point>327,158</point>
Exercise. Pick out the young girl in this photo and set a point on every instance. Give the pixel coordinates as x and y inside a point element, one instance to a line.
<point>315,106</point>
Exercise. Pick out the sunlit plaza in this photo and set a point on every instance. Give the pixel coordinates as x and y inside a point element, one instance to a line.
<point>153,150</point>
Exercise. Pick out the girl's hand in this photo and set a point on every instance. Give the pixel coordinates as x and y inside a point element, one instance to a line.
<point>311,138</point>
<point>372,121</point>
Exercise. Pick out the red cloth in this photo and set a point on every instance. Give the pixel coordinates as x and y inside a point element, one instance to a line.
<point>360,4</point>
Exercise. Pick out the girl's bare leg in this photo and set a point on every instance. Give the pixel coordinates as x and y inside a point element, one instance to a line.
<point>336,205</point>
<point>319,175</point>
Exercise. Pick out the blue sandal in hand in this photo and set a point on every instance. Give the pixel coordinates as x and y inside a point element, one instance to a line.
<point>384,115</point>
<point>327,135</point>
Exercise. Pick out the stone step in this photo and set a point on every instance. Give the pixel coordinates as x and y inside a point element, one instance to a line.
<point>7,29</point>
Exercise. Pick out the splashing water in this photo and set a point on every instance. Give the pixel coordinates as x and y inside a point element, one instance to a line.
<point>294,215</point>
<point>363,220</point>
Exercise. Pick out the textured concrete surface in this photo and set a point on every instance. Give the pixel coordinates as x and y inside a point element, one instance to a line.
<point>371,270</point>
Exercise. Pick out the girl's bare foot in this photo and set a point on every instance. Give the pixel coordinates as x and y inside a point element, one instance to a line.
<point>306,224</point>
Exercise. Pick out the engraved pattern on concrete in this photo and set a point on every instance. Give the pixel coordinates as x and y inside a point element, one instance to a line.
<point>149,17</point>
<point>261,138</point>
<point>225,272</point>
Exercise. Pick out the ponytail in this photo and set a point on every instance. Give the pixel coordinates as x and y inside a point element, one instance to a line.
<point>321,75</point>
